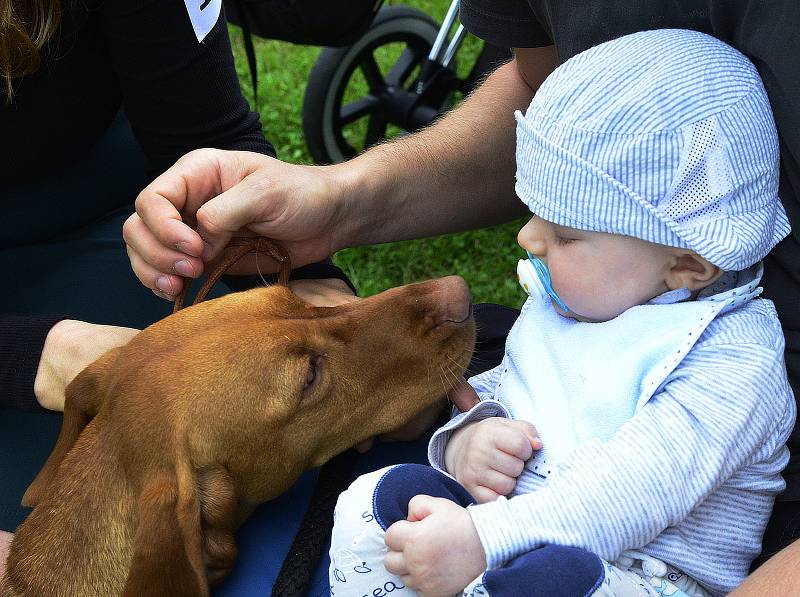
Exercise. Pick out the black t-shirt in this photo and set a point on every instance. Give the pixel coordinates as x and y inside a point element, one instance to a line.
<point>142,55</point>
<point>765,33</point>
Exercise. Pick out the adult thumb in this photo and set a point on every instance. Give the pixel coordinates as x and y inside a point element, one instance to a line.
<point>463,396</point>
<point>219,218</point>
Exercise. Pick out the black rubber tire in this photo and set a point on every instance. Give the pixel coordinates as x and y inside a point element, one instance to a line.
<point>335,66</point>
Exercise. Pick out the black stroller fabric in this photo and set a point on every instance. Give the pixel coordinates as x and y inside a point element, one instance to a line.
<point>311,22</point>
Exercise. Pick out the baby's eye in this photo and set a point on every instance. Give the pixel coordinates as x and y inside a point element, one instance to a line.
<point>564,241</point>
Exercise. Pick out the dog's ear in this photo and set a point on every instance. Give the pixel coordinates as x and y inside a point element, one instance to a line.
<point>83,399</point>
<point>167,549</point>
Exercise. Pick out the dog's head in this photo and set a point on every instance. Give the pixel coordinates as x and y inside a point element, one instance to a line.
<point>262,386</point>
<point>271,386</point>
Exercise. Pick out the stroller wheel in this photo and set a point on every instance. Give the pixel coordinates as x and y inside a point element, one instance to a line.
<point>352,102</point>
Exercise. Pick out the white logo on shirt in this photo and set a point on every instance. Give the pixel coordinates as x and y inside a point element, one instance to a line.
<point>204,14</point>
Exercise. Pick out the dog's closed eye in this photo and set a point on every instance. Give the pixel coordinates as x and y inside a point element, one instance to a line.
<point>312,374</point>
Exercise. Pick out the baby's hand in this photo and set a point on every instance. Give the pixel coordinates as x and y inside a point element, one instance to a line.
<point>421,548</point>
<point>486,457</point>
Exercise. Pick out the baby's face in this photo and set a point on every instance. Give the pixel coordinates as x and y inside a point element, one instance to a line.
<point>598,275</point>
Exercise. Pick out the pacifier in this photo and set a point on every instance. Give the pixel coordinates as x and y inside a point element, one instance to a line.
<point>533,272</point>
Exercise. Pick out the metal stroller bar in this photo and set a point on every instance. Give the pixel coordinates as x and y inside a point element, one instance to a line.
<point>455,43</point>
<point>449,19</point>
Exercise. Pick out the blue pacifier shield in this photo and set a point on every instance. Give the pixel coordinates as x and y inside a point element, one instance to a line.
<point>542,276</point>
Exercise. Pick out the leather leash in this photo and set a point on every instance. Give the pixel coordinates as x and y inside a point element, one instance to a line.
<point>294,577</point>
<point>242,245</point>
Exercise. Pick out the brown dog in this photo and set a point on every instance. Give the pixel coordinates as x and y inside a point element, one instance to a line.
<point>218,407</point>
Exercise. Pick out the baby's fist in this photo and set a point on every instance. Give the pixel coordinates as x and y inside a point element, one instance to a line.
<point>488,456</point>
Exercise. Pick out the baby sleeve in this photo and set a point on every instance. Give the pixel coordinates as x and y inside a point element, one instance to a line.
<point>484,384</point>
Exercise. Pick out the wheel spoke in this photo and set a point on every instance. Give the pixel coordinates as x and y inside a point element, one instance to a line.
<point>408,61</point>
<point>372,73</point>
<point>357,109</point>
<point>376,130</point>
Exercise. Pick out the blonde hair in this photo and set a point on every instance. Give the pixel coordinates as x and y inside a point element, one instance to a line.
<point>25,27</point>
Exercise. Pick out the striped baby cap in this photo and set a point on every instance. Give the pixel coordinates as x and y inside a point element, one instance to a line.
<point>663,135</point>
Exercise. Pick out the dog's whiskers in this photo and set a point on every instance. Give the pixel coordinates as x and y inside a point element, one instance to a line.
<point>443,379</point>
<point>450,374</point>
<point>468,372</point>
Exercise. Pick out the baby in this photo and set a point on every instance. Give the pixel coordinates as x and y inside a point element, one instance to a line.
<point>653,374</point>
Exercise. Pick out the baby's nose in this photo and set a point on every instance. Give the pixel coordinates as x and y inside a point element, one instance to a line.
<point>531,238</point>
<point>534,244</point>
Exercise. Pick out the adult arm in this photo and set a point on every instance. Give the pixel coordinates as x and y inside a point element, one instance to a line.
<point>5,547</point>
<point>40,356</point>
<point>22,339</point>
<point>780,575</point>
<point>455,175</point>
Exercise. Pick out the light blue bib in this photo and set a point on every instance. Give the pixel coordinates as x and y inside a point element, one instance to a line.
<point>577,381</point>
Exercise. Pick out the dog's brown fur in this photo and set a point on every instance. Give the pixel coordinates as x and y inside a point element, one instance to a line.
<point>167,440</point>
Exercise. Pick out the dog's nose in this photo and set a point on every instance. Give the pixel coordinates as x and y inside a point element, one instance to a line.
<point>455,301</point>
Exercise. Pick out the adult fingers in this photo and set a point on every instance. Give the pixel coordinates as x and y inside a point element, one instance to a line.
<point>164,285</point>
<point>163,220</point>
<point>149,249</point>
<point>181,189</point>
<point>241,205</point>
<point>463,396</point>
<point>168,204</point>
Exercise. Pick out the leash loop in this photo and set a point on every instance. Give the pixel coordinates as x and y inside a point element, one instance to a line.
<point>241,245</point>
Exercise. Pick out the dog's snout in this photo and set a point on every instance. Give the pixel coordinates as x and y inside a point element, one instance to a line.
<point>454,302</point>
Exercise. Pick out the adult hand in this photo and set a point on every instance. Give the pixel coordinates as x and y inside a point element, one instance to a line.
<point>5,547</point>
<point>71,346</point>
<point>421,548</point>
<point>225,194</point>
<point>327,292</point>
<point>487,456</point>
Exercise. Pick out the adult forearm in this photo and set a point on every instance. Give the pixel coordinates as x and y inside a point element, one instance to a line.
<point>780,575</point>
<point>457,174</point>
<point>70,346</point>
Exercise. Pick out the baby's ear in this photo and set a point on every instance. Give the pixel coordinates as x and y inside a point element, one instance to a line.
<point>691,271</point>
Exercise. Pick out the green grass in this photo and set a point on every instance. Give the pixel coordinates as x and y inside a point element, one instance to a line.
<point>485,258</point>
